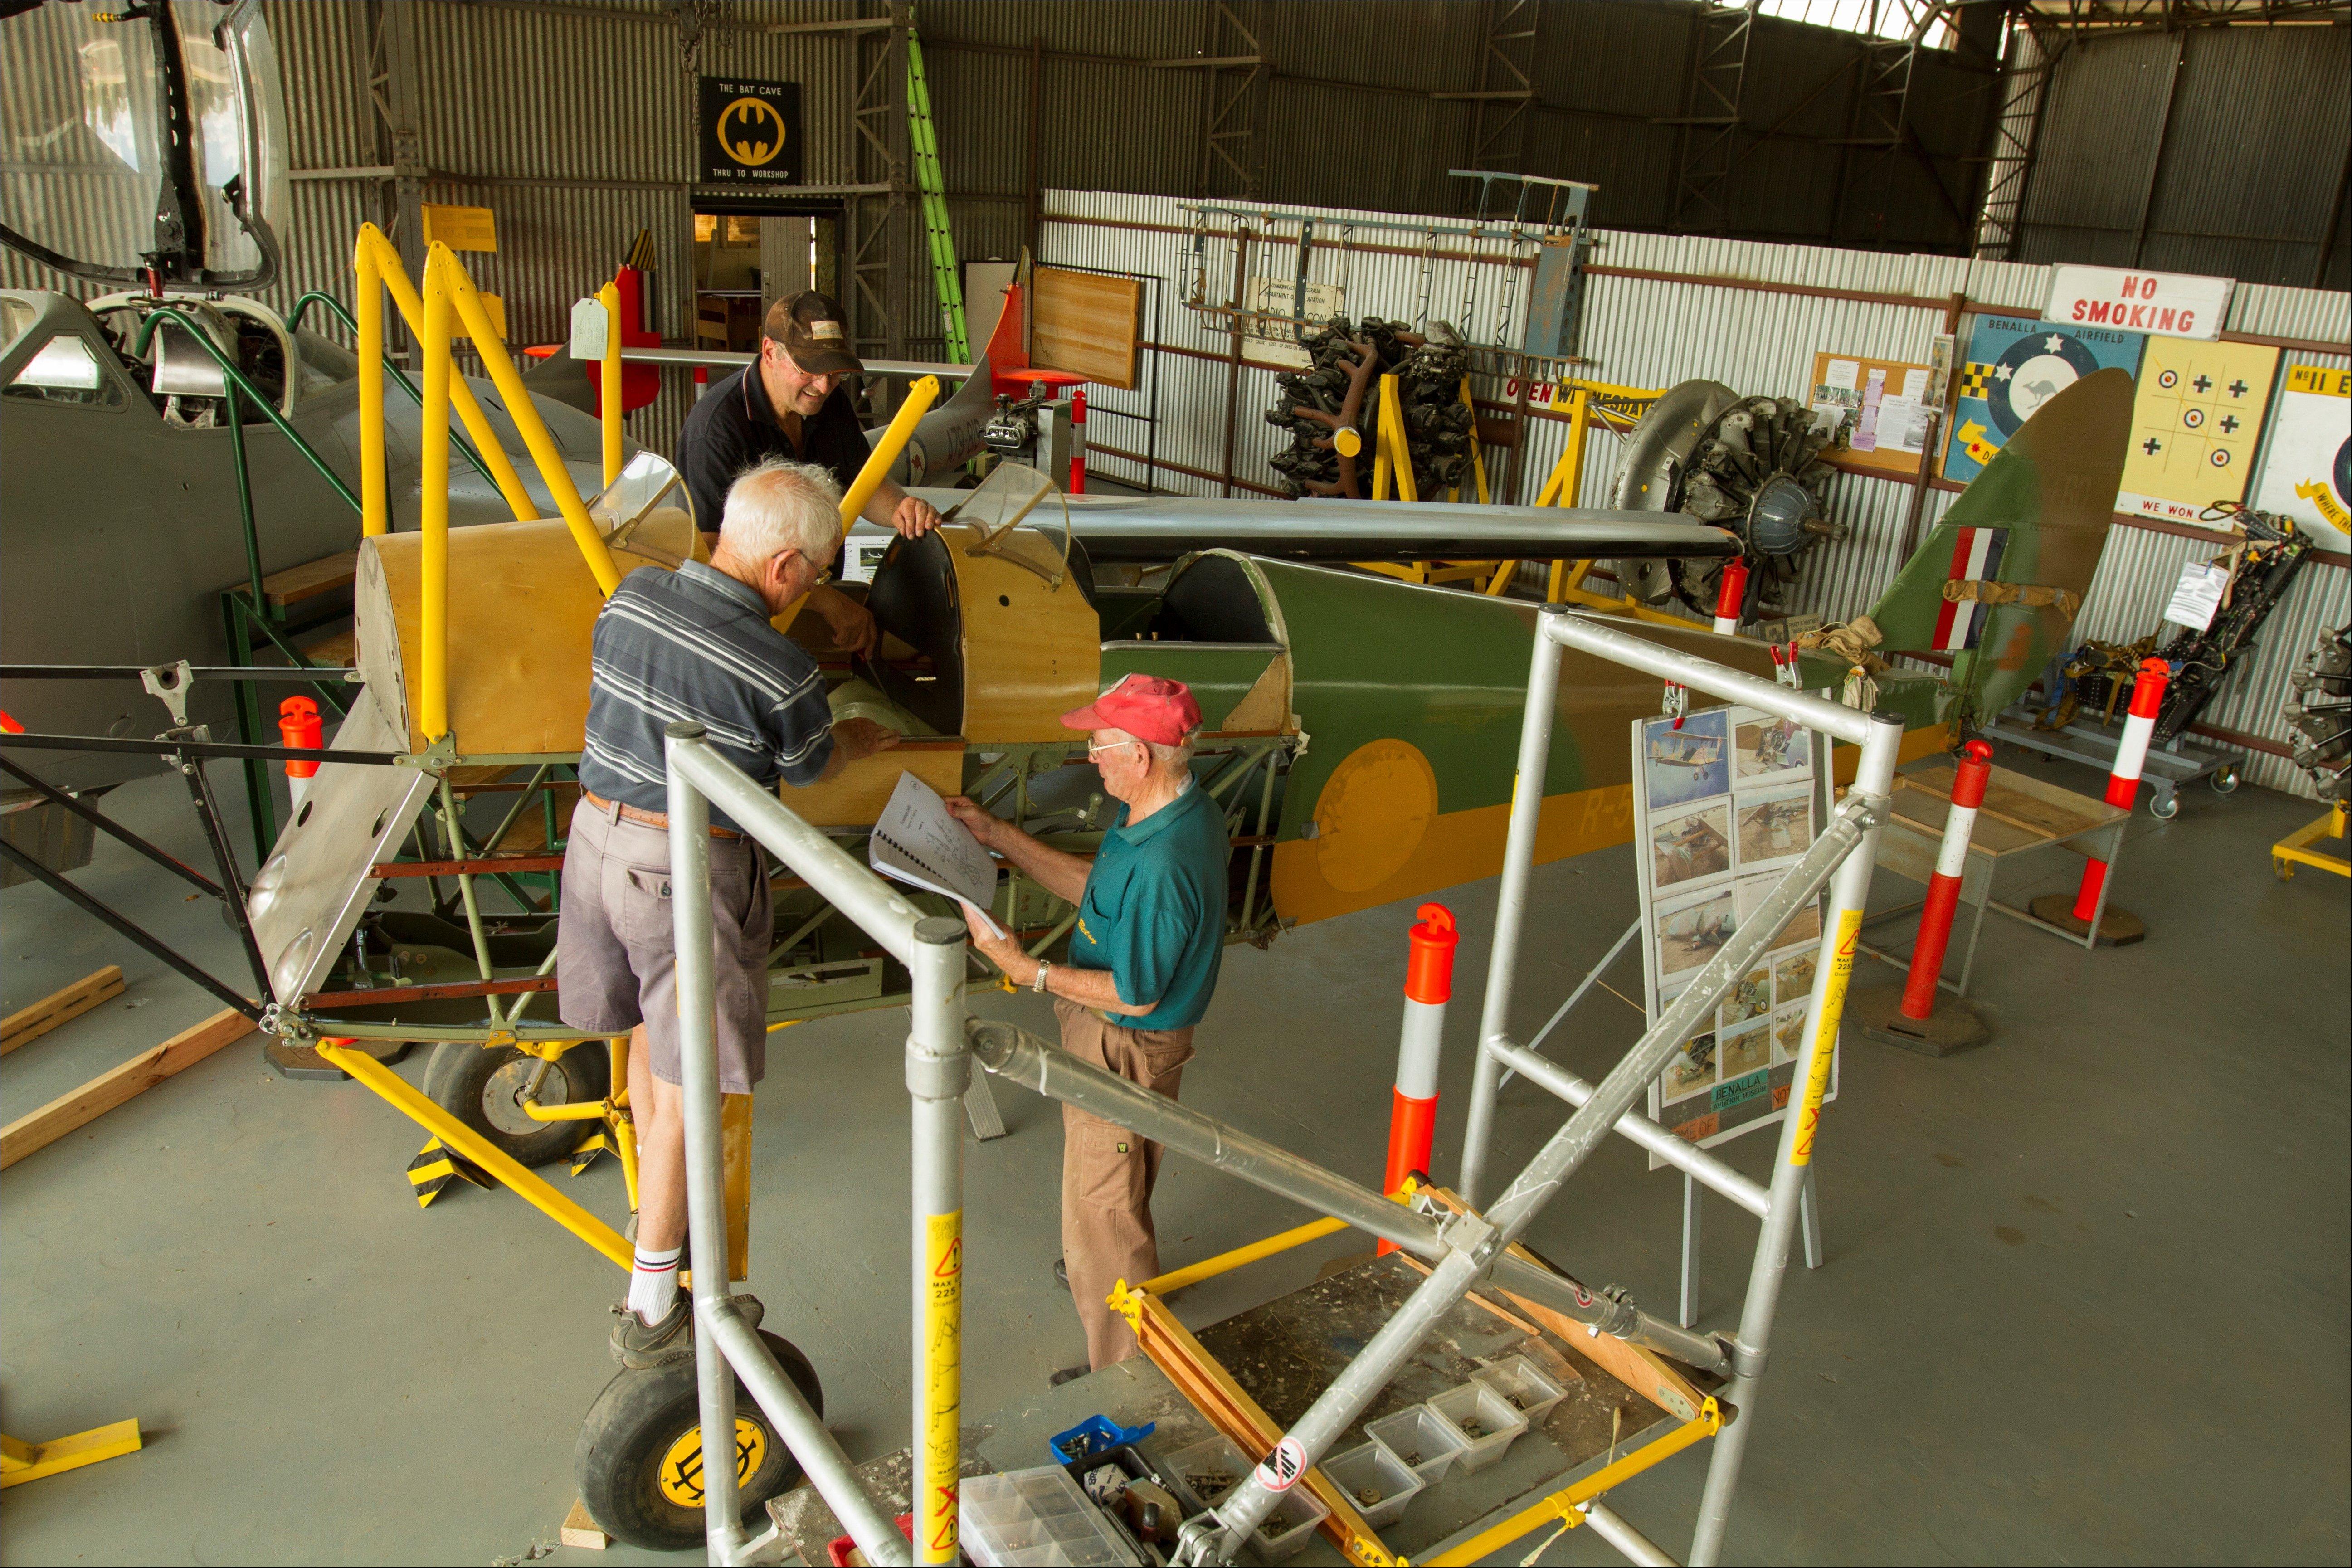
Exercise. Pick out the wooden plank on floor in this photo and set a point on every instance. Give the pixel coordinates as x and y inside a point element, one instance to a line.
<point>39,1128</point>
<point>311,579</point>
<point>26,1023</point>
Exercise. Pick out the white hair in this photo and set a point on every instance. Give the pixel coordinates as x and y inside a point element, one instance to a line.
<point>779,505</point>
<point>1175,756</point>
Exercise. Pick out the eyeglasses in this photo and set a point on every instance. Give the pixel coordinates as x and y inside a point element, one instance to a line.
<point>1093,751</point>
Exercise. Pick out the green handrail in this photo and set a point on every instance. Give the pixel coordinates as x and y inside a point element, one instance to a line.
<point>416,395</point>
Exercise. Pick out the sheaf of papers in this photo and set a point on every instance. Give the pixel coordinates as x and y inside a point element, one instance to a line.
<point>920,845</point>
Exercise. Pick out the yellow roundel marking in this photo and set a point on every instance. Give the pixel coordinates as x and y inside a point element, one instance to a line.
<point>751,131</point>
<point>1373,814</point>
<point>681,1468</point>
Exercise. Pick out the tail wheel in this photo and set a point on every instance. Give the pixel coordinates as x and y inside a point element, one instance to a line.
<point>484,1087</point>
<point>639,1461</point>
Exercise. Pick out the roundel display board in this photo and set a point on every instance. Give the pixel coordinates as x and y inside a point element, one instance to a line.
<point>2015,365</point>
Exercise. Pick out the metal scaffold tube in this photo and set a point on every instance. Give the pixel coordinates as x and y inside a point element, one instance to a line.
<point>939,1069</point>
<point>1840,932</point>
<point>719,1323</point>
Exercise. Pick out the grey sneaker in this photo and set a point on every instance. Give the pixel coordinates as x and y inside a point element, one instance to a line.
<point>640,1348</point>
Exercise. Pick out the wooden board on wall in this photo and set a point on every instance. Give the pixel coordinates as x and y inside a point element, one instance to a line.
<point>1085,323</point>
<point>1852,379</point>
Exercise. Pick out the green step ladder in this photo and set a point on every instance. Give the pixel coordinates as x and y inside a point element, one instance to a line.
<point>947,278</point>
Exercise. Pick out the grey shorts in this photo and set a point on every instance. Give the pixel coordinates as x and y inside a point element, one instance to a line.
<point>615,963</point>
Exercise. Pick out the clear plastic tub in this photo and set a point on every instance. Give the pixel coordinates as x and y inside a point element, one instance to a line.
<point>1422,1441</point>
<point>1025,1517</point>
<point>1291,1526</point>
<point>1192,1468</point>
<point>1498,1425</point>
<point>1370,1468</point>
<point>1530,1389</point>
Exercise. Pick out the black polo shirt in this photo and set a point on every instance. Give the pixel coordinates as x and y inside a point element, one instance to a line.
<point>734,426</point>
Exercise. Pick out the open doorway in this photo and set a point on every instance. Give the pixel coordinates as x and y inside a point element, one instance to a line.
<point>743,262</point>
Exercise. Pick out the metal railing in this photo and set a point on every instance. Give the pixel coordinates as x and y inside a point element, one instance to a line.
<point>1463,1249</point>
<point>932,949</point>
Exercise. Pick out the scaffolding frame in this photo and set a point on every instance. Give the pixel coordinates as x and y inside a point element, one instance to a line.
<point>1463,1248</point>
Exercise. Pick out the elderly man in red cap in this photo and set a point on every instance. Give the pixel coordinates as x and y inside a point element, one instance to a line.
<point>1141,968</point>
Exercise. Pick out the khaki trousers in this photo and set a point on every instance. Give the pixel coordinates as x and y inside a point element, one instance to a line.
<point>1108,1174</point>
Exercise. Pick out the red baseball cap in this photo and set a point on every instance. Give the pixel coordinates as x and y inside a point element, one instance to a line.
<point>1146,707</point>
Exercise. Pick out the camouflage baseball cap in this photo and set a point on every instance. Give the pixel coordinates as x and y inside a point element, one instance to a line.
<point>814,332</point>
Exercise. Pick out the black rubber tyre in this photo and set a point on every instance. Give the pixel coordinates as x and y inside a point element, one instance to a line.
<point>482,1087</point>
<point>638,1460</point>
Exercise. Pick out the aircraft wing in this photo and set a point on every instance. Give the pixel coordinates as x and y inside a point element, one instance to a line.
<point>1132,529</point>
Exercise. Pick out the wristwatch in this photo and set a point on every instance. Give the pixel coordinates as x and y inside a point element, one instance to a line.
<point>1039,984</point>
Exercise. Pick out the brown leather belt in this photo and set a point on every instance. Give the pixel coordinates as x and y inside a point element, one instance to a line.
<point>641,817</point>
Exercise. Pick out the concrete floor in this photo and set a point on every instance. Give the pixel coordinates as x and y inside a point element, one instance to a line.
<point>2086,1294</point>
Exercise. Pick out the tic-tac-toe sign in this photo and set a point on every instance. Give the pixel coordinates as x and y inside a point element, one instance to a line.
<point>2196,421</point>
<point>2014,366</point>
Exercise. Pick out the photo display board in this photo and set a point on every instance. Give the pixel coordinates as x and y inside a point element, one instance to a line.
<point>1890,401</point>
<point>1725,805</point>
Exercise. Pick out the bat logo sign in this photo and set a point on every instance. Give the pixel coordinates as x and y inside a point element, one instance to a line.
<point>751,132</point>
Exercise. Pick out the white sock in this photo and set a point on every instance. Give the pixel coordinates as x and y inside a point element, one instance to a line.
<point>653,1284</point>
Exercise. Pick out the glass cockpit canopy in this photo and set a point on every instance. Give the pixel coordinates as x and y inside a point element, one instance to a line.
<point>93,182</point>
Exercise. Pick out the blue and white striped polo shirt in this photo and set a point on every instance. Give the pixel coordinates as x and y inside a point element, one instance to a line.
<point>696,644</point>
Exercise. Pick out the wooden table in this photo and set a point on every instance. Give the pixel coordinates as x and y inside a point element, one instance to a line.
<point>2021,815</point>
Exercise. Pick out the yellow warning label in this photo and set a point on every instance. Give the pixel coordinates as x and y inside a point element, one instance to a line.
<point>1825,1031</point>
<point>2319,379</point>
<point>942,1380</point>
<point>460,228</point>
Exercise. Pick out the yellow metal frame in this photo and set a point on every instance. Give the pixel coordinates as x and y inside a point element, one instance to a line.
<point>608,386</point>
<point>1567,1505</point>
<point>895,436</point>
<point>2295,848</point>
<point>21,1462</point>
<point>1561,489</point>
<point>1391,460</point>
<point>493,1160</point>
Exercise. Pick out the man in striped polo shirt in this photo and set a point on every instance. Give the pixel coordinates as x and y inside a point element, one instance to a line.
<point>694,644</point>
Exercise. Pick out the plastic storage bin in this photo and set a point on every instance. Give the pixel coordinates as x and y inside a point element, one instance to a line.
<point>1499,1424</point>
<point>1291,1526</point>
<point>1531,1390</point>
<point>1037,1517</point>
<point>1422,1441</point>
<point>1212,1455</point>
<point>1371,1466</point>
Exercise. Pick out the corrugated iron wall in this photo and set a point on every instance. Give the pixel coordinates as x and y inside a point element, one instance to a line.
<point>1650,332</point>
<point>2220,150</point>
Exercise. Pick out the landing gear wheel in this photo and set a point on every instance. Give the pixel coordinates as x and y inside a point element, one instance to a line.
<point>2225,780</point>
<point>639,1457</point>
<point>2165,808</point>
<point>483,1087</point>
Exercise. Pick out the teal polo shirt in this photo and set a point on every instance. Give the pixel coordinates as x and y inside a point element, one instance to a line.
<point>1153,913</point>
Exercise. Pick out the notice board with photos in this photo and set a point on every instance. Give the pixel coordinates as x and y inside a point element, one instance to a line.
<point>1890,401</point>
<point>1723,807</point>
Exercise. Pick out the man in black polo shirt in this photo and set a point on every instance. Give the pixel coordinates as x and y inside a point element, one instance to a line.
<point>790,403</point>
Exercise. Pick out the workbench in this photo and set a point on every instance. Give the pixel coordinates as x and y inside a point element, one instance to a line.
<point>1284,1353</point>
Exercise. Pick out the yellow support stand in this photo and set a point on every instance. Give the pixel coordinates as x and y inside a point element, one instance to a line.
<point>2295,848</point>
<point>608,386</point>
<point>21,1462</point>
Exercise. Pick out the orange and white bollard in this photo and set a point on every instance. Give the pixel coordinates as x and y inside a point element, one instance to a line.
<point>1912,1020</point>
<point>1730,597</point>
<point>2117,927</point>
<point>1077,440</point>
<point>1428,985</point>
<point>298,725</point>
